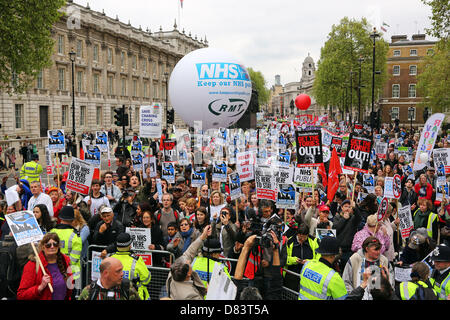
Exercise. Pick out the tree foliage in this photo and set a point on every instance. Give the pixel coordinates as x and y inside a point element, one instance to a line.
<point>25,40</point>
<point>347,42</point>
<point>433,82</point>
<point>259,84</point>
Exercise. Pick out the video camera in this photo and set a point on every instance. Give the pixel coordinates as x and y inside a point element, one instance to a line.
<point>262,229</point>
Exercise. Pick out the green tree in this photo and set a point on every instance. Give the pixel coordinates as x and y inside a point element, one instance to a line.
<point>259,84</point>
<point>347,42</point>
<point>433,82</point>
<point>25,40</point>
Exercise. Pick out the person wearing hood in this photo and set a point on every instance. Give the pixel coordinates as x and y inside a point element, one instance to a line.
<point>369,256</point>
<point>96,198</point>
<point>372,229</point>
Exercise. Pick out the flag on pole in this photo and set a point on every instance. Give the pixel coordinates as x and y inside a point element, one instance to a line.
<point>181,3</point>
<point>383,26</point>
<point>333,178</point>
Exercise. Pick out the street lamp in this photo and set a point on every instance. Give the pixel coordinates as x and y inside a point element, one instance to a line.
<point>72,56</point>
<point>351,95</point>
<point>129,111</point>
<point>166,79</point>
<point>360,60</point>
<point>411,115</point>
<point>373,35</point>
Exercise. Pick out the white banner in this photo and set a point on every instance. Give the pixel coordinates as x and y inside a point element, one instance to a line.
<point>245,165</point>
<point>150,121</point>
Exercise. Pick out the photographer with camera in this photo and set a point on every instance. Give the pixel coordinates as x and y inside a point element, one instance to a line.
<point>225,230</point>
<point>125,209</point>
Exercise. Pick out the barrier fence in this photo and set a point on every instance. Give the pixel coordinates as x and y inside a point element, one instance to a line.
<point>157,287</point>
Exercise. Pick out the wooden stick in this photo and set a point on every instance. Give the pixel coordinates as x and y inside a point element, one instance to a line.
<point>285,215</point>
<point>57,169</point>
<point>41,265</point>
<point>354,184</point>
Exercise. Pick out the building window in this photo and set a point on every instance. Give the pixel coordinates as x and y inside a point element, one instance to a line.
<point>144,89</point>
<point>61,79</point>
<point>413,114</point>
<point>155,91</point>
<point>82,115</point>
<point>413,52</point>
<point>136,112</point>
<point>396,70</point>
<point>163,91</point>
<point>430,51</point>
<point>412,91</point>
<point>80,81</point>
<point>64,113</point>
<point>155,70</point>
<point>40,80</point>
<point>60,44</point>
<point>394,113</point>
<point>133,62</point>
<point>110,56</point>
<point>112,115</point>
<point>144,65</point>
<point>395,91</point>
<point>79,48</point>
<point>95,52</point>
<point>110,85</point>
<point>134,88</point>
<point>98,116</point>
<point>122,59</point>
<point>396,53</point>
<point>412,70</point>
<point>95,83</point>
<point>18,113</point>
<point>124,87</point>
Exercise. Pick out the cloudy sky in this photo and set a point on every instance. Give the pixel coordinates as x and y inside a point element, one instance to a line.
<point>273,37</point>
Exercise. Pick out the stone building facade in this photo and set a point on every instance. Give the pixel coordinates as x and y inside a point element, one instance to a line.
<point>116,64</point>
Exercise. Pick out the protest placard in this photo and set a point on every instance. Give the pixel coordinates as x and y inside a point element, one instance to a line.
<point>336,142</point>
<point>381,149</point>
<point>92,155</point>
<point>284,158</point>
<point>235,185</point>
<point>198,176</point>
<point>48,161</point>
<point>219,171</point>
<point>309,148</point>
<point>428,138</point>
<point>357,157</point>
<point>168,171</point>
<point>170,150</point>
<point>265,183</point>
<point>441,159</point>
<point>286,196</point>
<point>80,176</point>
<point>245,165</point>
<point>220,287</point>
<point>406,222</point>
<point>149,167</point>
<point>442,188</point>
<point>101,140</point>
<point>24,227</point>
<point>150,120</point>
<point>389,187</point>
<point>320,233</point>
<point>137,159</point>
<point>56,141</point>
<point>283,175</point>
<point>305,178</point>
<point>369,182</point>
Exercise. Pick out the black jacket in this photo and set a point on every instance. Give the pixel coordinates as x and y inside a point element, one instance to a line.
<point>109,236</point>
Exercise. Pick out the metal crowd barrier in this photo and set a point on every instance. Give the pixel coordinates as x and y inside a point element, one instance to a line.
<point>157,286</point>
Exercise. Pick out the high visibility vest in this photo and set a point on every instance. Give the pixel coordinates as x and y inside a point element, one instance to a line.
<point>431,218</point>
<point>32,170</point>
<point>442,289</point>
<point>408,289</point>
<point>200,265</point>
<point>293,260</point>
<point>320,282</point>
<point>134,268</point>
<point>71,245</point>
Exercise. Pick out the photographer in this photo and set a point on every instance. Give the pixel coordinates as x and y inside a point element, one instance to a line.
<point>125,209</point>
<point>225,230</point>
<point>270,289</point>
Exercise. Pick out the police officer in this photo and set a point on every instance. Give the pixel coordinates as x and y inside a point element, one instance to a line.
<point>210,255</point>
<point>318,279</point>
<point>440,276</point>
<point>70,242</point>
<point>31,169</point>
<point>134,268</point>
<point>419,277</point>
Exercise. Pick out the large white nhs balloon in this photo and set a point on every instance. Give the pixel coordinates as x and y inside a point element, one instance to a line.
<point>209,85</point>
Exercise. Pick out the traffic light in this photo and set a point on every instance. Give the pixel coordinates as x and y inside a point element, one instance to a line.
<point>170,116</point>
<point>425,114</point>
<point>119,116</point>
<point>373,120</point>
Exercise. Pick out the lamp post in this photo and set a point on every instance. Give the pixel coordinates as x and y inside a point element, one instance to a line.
<point>360,60</point>
<point>166,79</point>
<point>351,95</point>
<point>411,115</point>
<point>292,106</point>
<point>373,35</point>
<point>72,56</point>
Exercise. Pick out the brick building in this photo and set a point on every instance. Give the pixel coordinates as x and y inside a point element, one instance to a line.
<point>403,64</point>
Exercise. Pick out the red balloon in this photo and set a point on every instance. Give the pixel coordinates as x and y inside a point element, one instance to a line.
<point>303,101</point>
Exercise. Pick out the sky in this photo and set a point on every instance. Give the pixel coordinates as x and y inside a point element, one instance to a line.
<point>273,37</point>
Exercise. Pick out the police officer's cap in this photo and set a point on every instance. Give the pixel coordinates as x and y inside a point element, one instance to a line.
<point>328,246</point>
<point>34,156</point>
<point>212,246</point>
<point>123,240</point>
<point>441,253</point>
<point>67,213</point>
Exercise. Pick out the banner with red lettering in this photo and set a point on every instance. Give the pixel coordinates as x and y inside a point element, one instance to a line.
<point>309,148</point>
<point>357,157</point>
<point>245,165</point>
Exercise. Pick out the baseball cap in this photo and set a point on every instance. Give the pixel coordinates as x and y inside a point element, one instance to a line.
<point>106,210</point>
<point>324,208</point>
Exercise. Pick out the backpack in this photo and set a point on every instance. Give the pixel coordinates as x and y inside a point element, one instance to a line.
<point>423,293</point>
<point>9,270</point>
<point>175,213</point>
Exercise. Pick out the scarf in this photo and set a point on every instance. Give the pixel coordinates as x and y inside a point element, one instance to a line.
<point>187,238</point>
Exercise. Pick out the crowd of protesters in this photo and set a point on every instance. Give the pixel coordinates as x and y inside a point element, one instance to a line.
<point>184,220</point>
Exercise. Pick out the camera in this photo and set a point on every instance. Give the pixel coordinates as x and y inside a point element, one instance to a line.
<point>262,230</point>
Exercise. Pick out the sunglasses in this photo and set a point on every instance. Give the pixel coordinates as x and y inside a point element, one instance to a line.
<point>51,244</point>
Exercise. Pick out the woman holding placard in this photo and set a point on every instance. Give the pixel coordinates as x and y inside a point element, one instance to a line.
<point>54,283</point>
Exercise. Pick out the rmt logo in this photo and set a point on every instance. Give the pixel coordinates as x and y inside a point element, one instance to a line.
<point>234,106</point>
